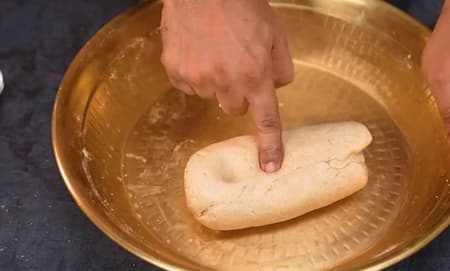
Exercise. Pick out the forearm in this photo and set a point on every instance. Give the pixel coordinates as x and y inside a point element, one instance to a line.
<point>436,63</point>
<point>443,22</point>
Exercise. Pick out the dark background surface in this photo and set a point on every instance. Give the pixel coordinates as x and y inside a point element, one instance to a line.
<point>41,228</point>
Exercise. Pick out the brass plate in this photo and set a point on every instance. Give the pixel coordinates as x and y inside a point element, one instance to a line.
<point>122,136</point>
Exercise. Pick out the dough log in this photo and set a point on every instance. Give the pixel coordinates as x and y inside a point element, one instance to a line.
<point>226,190</point>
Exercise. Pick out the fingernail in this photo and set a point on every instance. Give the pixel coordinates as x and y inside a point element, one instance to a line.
<point>270,167</point>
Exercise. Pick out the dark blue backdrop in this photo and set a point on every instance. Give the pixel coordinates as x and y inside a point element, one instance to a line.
<point>41,228</point>
<point>425,10</point>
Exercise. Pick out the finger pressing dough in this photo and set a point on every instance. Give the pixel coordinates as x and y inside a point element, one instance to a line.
<point>226,190</point>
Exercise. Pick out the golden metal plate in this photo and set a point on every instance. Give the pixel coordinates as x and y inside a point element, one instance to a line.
<point>122,136</point>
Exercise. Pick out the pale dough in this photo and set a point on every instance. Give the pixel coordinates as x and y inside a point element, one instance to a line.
<point>226,190</point>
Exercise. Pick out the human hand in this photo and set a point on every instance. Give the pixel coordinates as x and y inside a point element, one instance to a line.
<point>436,64</point>
<point>234,51</point>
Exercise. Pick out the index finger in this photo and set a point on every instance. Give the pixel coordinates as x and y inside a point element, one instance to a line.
<point>264,110</point>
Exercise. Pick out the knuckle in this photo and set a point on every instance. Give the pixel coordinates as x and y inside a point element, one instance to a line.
<point>252,70</point>
<point>169,65</point>
<point>284,78</point>
<point>268,124</point>
<point>260,51</point>
<point>221,75</point>
<point>197,77</point>
<point>252,73</point>
<point>221,68</point>
<point>271,150</point>
<point>223,88</point>
<point>193,77</point>
<point>289,75</point>
<point>183,74</point>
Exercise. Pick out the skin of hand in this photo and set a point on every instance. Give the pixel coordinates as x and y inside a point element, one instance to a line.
<point>436,63</point>
<point>236,52</point>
